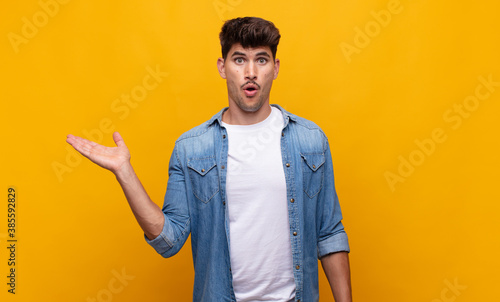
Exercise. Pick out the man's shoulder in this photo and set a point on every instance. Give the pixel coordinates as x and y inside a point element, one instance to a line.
<point>303,122</point>
<point>305,133</point>
<point>200,130</point>
<point>300,122</point>
<point>194,132</point>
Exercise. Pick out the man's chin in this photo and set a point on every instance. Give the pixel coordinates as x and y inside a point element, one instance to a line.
<point>250,108</point>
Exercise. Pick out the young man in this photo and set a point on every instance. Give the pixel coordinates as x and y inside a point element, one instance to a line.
<point>253,186</point>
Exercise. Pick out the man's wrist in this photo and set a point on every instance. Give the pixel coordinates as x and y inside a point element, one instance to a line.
<point>124,173</point>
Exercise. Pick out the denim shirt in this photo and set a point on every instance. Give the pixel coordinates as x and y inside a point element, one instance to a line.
<point>195,203</point>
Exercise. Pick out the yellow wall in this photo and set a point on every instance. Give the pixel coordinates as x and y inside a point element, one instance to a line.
<point>412,125</point>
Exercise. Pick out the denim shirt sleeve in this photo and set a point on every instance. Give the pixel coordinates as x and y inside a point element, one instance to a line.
<point>332,237</point>
<point>176,227</point>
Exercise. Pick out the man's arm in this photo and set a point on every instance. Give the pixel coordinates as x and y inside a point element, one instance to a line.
<point>336,267</point>
<point>333,245</point>
<point>117,160</point>
<point>146,212</point>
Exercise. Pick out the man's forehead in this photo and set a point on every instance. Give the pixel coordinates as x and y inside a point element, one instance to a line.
<point>237,48</point>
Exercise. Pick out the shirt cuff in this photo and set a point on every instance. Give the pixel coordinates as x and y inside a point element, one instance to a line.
<point>333,244</point>
<point>161,243</point>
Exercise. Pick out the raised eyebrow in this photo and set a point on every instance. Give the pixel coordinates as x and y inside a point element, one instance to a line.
<point>238,53</point>
<point>262,54</point>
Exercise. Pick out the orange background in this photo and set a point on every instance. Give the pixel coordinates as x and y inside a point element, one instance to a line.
<point>396,85</point>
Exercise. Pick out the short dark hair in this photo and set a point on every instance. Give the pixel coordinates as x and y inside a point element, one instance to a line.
<point>249,32</point>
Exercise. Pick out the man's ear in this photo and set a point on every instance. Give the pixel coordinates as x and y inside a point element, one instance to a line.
<point>220,67</point>
<point>276,68</point>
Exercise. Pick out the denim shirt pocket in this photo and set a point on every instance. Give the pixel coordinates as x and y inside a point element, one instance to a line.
<point>204,177</point>
<point>312,169</point>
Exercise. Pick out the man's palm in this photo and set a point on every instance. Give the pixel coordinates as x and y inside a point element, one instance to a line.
<point>111,158</point>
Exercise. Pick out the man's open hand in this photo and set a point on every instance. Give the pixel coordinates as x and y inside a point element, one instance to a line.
<point>111,158</point>
<point>117,159</point>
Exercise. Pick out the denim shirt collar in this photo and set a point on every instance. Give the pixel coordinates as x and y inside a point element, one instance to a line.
<point>286,116</point>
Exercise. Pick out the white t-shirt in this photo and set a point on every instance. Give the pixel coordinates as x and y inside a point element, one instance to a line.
<point>260,251</point>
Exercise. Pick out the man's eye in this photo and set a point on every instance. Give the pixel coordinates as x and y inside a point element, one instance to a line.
<point>239,60</point>
<point>262,60</point>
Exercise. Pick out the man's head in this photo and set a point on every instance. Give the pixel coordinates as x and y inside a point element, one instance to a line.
<point>249,32</point>
<point>249,66</point>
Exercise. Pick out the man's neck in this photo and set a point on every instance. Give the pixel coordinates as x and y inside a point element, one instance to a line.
<point>239,117</point>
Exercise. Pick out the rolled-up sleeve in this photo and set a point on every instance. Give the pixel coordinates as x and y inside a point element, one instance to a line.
<point>176,227</point>
<point>332,236</point>
<point>332,244</point>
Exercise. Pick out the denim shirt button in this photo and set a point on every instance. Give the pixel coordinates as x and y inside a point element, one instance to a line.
<point>294,233</point>
<point>292,200</point>
<point>223,136</point>
<point>287,164</point>
<point>222,167</point>
<point>297,267</point>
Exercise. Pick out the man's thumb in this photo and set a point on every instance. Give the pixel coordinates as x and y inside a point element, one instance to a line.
<point>118,139</point>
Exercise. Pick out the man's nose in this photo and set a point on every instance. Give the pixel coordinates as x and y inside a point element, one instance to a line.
<point>251,71</point>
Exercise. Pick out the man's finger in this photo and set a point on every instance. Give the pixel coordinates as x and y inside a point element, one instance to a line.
<point>118,139</point>
<point>72,139</point>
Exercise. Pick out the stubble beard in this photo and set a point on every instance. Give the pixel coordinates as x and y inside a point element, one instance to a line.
<point>250,108</point>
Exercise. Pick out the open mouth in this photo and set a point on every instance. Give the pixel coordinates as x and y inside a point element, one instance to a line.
<point>250,89</point>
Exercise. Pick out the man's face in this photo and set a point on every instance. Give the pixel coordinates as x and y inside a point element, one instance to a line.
<point>249,73</point>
